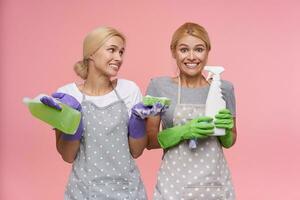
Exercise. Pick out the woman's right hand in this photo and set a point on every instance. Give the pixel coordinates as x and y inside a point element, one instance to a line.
<point>63,98</point>
<point>142,111</point>
<point>198,128</point>
<point>70,101</point>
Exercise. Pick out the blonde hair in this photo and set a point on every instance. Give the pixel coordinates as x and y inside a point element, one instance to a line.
<point>192,29</point>
<point>92,42</point>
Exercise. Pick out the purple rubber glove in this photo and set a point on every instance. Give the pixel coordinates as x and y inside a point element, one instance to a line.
<point>50,102</point>
<point>143,111</point>
<point>159,109</point>
<point>137,125</point>
<point>70,101</point>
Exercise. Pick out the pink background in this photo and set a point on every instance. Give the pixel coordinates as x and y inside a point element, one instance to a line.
<point>258,43</point>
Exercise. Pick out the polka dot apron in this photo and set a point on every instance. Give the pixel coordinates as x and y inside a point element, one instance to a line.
<point>193,174</point>
<point>104,167</point>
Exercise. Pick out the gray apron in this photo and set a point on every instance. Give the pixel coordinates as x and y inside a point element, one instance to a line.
<point>193,174</point>
<point>104,167</point>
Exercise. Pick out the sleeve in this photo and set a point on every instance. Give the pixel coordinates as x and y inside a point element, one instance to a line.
<point>151,89</point>
<point>70,89</point>
<point>229,96</point>
<point>62,90</point>
<point>135,97</point>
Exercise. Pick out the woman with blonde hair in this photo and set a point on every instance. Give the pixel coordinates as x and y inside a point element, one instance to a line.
<point>199,173</point>
<point>112,129</point>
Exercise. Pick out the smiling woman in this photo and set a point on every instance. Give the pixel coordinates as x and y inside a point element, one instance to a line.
<point>101,150</point>
<point>200,172</point>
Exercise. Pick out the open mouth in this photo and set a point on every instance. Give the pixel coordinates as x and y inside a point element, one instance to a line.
<point>191,65</point>
<point>114,66</point>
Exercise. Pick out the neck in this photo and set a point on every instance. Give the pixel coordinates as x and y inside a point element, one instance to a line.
<point>97,85</point>
<point>192,81</point>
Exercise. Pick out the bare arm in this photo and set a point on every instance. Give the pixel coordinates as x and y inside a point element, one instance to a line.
<point>137,146</point>
<point>152,130</point>
<point>67,149</point>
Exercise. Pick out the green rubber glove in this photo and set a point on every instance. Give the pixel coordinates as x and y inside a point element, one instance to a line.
<point>224,120</point>
<point>200,127</point>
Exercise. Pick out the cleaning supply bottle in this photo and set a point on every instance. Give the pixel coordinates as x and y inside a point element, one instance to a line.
<point>66,120</point>
<point>215,101</point>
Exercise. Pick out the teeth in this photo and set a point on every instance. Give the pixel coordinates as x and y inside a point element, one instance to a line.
<point>191,65</point>
<point>114,66</point>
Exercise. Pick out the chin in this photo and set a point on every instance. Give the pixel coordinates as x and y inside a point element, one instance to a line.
<point>112,75</point>
<point>192,73</point>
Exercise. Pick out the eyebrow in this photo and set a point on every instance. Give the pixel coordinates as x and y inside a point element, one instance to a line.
<point>112,45</point>
<point>115,46</point>
<point>196,45</point>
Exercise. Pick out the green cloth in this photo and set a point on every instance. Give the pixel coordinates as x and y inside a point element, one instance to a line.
<point>150,100</point>
<point>224,120</point>
<point>200,127</point>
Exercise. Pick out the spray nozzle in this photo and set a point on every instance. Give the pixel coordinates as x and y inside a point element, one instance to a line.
<point>213,71</point>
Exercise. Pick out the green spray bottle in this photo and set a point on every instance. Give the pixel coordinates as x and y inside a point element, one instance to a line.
<point>66,120</point>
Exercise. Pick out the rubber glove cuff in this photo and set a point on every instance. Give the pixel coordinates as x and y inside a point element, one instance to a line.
<point>136,127</point>
<point>224,119</point>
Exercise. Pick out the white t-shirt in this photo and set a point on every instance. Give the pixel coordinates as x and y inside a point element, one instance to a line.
<point>127,90</point>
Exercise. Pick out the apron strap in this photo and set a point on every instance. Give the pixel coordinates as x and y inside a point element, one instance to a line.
<point>179,91</point>
<point>117,94</point>
<point>83,96</point>
<point>119,97</point>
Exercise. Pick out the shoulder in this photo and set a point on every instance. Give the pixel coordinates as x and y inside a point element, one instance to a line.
<point>128,89</point>
<point>129,92</point>
<point>227,86</point>
<point>159,81</point>
<point>71,89</point>
<point>127,85</point>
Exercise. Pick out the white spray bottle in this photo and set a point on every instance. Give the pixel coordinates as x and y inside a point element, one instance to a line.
<point>215,101</point>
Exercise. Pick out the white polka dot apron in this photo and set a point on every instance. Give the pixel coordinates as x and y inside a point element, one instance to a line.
<point>104,167</point>
<point>193,174</point>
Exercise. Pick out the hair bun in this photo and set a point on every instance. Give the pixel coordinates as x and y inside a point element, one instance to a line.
<point>81,69</point>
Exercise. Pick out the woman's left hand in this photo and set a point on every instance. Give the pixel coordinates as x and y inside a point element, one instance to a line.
<point>144,111</point>
<point>136,125</point>
<point>224,119</point>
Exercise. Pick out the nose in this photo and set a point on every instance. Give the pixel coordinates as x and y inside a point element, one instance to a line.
<point>117,56</point>
<point>191,55</point>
